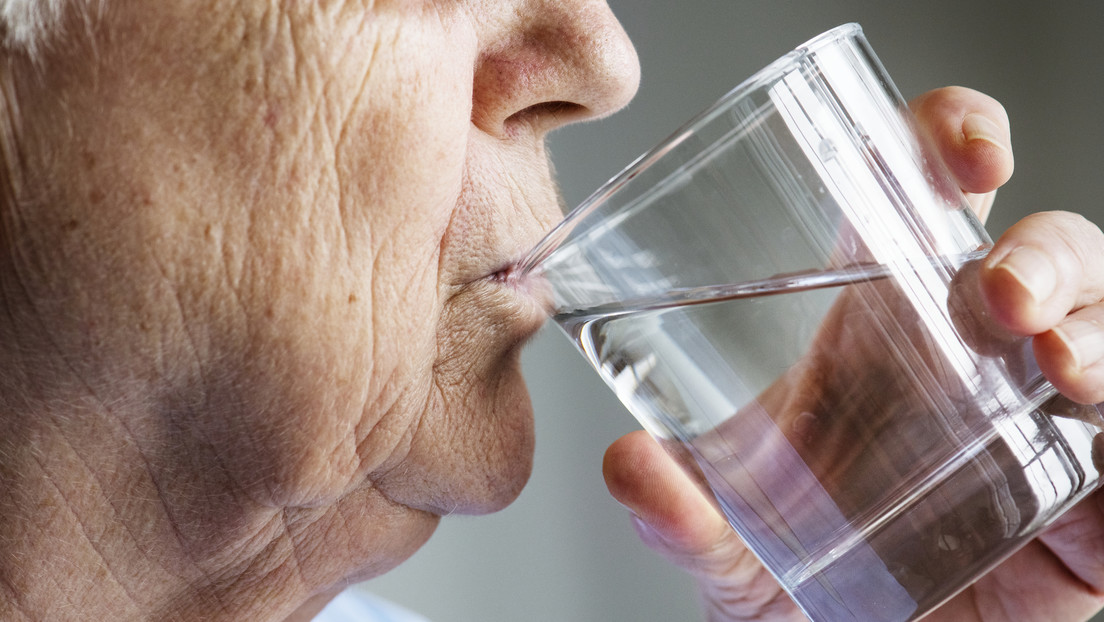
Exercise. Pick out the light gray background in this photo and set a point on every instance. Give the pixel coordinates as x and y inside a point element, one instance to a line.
<point>565,551</point>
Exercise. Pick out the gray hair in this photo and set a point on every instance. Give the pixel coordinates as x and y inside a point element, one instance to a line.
<point>27,25</point>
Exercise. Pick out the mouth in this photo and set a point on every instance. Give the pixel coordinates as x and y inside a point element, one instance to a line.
<point>508,304</point>
<point>510,275</point>
<point>527,283</point>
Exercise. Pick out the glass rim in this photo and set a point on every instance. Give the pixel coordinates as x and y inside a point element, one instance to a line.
<point>765,75</point>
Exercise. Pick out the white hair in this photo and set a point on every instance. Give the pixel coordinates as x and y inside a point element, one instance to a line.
<point>27,25</point>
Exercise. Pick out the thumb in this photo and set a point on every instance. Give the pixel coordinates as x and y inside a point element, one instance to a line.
<point>643,478</point>
<point>675,518</point>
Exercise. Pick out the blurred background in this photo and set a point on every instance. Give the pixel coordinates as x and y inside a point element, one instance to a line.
<point>565,551</point>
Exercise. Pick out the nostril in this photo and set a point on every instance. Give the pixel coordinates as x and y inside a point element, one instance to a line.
<point>548,114</point>
<point>561,62</point>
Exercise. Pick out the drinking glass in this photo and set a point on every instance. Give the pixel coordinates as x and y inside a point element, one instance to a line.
<point>784,293</point>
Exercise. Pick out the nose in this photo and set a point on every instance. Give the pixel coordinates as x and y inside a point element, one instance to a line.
<point>547,63</point>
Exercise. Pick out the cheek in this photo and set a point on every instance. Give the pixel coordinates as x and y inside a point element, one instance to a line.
<point>340,293</point>
<point>352,178</point>
<point>319,201</point>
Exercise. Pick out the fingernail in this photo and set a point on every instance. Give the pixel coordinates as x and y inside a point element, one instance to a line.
<point>976,126</point>
<point>1085,341</point>
<point>1032,269</point>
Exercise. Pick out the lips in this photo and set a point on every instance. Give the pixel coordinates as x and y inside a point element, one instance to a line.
<point>506,205</point>
<point>495,312</point>
<point>524,290</point>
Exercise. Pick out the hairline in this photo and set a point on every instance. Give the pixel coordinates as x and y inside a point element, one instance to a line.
<point>28,26</point>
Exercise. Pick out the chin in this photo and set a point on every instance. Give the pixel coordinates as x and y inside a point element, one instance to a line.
<point>503,462</point>
<point>473,450</point>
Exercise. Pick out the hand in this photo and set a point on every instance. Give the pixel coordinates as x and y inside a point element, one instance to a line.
<point>1044,278</point>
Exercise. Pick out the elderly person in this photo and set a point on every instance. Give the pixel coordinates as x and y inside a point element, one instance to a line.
<point>256,339</point>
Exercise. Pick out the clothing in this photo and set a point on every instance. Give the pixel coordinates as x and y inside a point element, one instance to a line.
<point>356,606</point>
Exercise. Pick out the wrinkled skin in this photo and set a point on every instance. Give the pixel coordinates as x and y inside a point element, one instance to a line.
<point>1043,279</point>
<point>256,336</point>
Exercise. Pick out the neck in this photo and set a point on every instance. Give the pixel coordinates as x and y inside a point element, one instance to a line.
<point>96,525</point>
<point>93,526</point>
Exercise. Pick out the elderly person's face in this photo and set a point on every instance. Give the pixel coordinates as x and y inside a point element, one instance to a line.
<point>280,225</point>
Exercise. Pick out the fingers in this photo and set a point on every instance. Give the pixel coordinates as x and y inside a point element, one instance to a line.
<point>1043,267</point>
<point>1071,355</point>
<point>674,518</point>
<point>971,131</point>
<point>677,519</point>
<point>1045,277</point>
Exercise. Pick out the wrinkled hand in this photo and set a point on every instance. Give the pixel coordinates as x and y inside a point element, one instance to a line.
<point>1044,278</point>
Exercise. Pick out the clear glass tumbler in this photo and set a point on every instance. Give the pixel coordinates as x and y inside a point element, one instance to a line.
<point>783,293</point>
